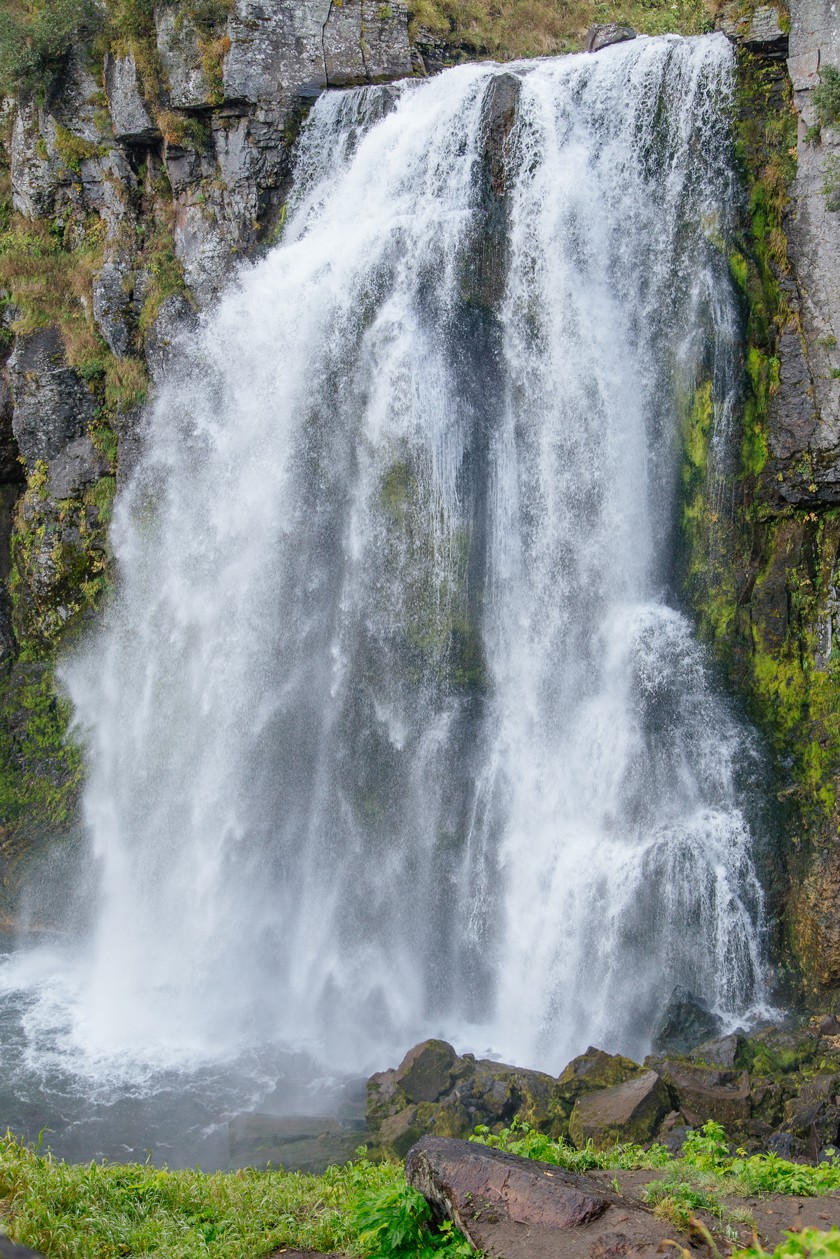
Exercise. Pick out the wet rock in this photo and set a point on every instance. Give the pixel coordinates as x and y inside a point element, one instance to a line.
<point>523,1209</point>
<point>595,1069</point>
<point>298,1143</point>
<point>685,1023</point>
<point>829,1025</point>
<point>436,1091</point>
<point>175,319</point>
<point>427,1071</point>
<point>130,117</point>
<point>52,405</point>
<point>602,36</point>
<point>706,1093</point>
<point>631,1111</point>
<point>720,1052</point>
<point>13,1250</point>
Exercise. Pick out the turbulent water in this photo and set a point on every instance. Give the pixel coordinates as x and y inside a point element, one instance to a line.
<point>393,726</point>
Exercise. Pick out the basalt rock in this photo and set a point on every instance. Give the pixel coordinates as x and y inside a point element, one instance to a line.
<point>703,1093</point>
<point>685,1023</point>
<point>517,1208</point>
<point>593,1070</point>
<point>436,1091</point>
<point>631,1111</point>
<point>609,33</point>
<point>53,407</point>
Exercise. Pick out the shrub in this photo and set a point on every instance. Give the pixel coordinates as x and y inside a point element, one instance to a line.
<point>36,37</point>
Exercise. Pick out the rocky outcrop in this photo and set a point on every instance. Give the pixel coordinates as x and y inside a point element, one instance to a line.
<point>436,1090</point>
<point>777,1089</point>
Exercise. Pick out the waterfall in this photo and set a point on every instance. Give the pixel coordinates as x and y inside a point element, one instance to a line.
<point>393,724</point>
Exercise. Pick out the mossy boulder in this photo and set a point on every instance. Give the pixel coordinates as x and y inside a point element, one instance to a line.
<point>631,1111</point>
<point>593,1070</point>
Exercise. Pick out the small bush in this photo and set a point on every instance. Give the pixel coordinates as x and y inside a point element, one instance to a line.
<point>826,97</point>
<point>36,37</point>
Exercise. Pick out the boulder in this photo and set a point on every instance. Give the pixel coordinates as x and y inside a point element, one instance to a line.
<point>813,1117</point>
<point>522,1209</point>
<point>631,1111</point>
<point>722,1051</point>
<point>685,1023</point>
<point>601,36</point>
<point>427,1071</point>
<point>13,1250</point>
<point>595,1069</point>
<point>707,1093</point>
<point>436,1091</point>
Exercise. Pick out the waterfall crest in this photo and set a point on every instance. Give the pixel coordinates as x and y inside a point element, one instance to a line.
<point>393,726</point>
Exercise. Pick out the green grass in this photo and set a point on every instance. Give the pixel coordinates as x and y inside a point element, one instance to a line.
<point>106,1210</point>
<point>811,1243</point>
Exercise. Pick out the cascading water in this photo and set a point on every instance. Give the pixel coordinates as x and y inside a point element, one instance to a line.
<point>392,726</point>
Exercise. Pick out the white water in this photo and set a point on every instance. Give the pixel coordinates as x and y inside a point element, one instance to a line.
<point>393,728</point>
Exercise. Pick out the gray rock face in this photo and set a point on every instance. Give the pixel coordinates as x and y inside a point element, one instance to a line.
<point>113,308</point>
<point>78,465</point>
<point>34,172</point>
<point>177,43</point>
<point>759,31</point>
<point>806,413</point>
<point>129,115</point>
<point>52,405</point>
<point>611,33</point>
<point>175,318</point>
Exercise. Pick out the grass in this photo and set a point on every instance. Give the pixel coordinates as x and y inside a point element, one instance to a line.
<point>705,1178</point>
<point>106,1210</point>
<point>811,1243</point>
<point>532,28</point>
